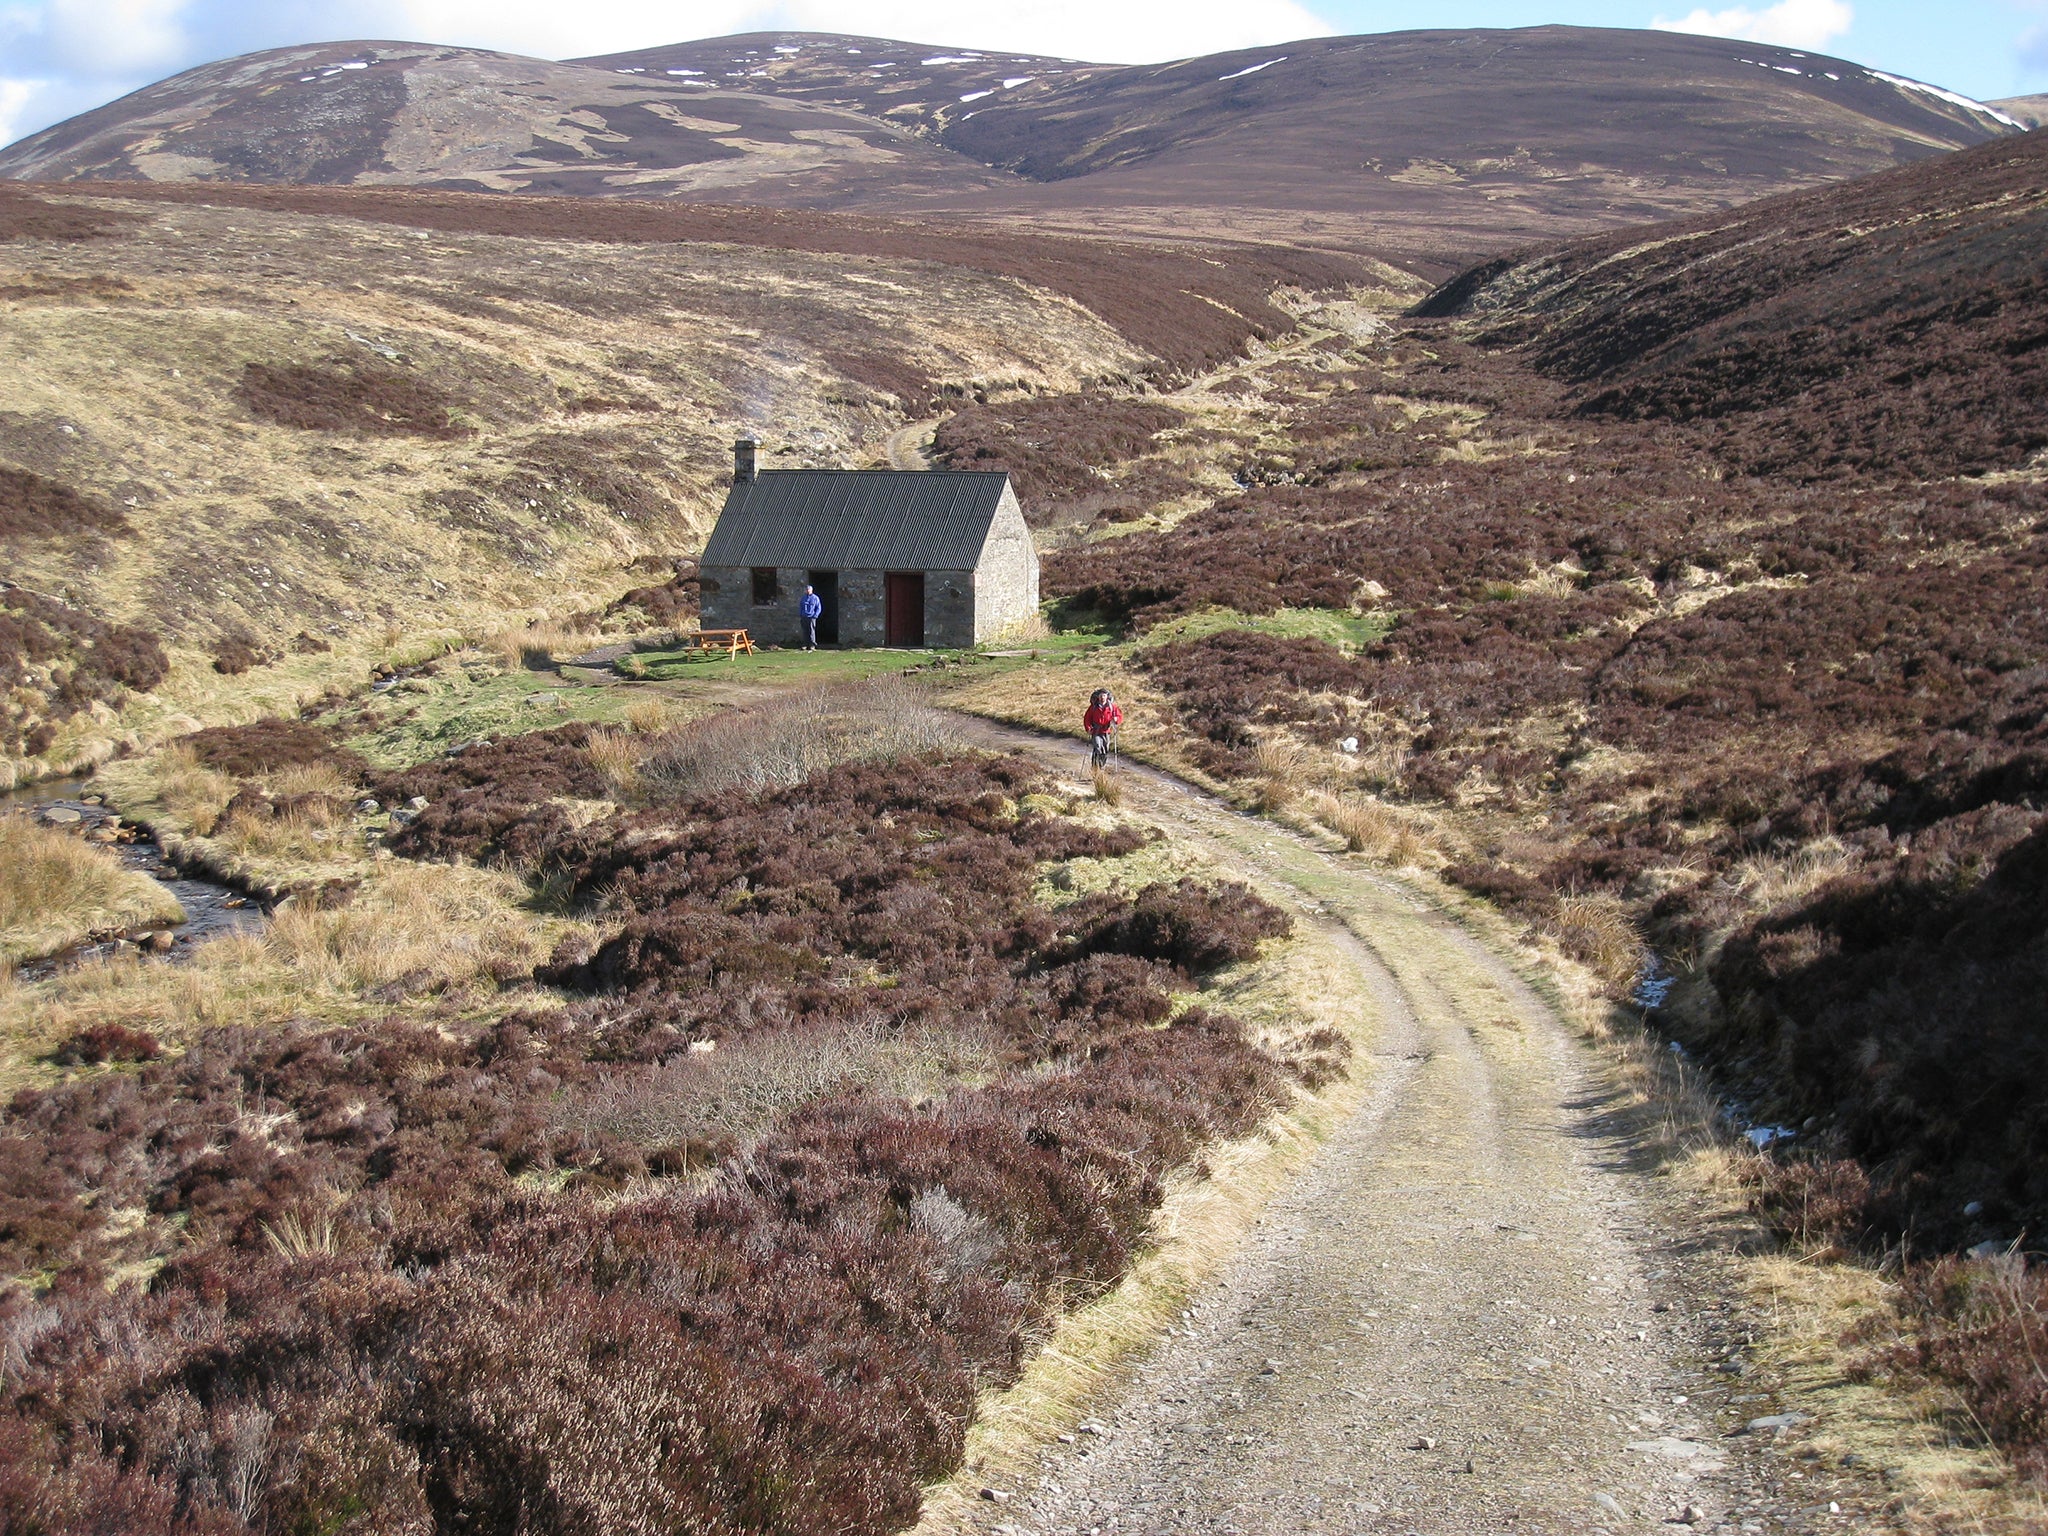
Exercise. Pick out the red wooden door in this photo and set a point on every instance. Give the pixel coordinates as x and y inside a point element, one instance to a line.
<point>903,608</point>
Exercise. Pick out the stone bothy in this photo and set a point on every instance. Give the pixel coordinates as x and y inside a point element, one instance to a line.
<point>911,558</point>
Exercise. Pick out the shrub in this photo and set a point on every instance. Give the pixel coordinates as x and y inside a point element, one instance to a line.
<point>237,651</point>
<point>34,506</point>
<point>1813,1201</point>
<point>768,1291</point>
<point>108,1042</point>
<point>1982,1326</point>
<point>1191,927</point>
<point>1057,448</point>
<point>268,746</point>
<point>489,801</point>
<point>672,605</point>
<point>791,738</point>
<point>57,661</point>
<point>341,396</point>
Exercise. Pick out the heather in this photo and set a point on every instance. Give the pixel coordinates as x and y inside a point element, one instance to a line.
<point>1779,735</point>
<point>1889,326</point>
<point>346,397</point>
<point>1188,307</point>
<point>57,662</point>
<point>1059,451</point>
<point>826,1121</point>
<point>35,506</point>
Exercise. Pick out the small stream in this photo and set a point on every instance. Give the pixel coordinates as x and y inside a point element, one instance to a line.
<point>211,908</point>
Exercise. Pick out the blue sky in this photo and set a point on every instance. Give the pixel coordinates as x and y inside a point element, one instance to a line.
<point>60,57</point>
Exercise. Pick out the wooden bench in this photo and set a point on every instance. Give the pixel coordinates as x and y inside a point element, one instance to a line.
<point>730,641</point>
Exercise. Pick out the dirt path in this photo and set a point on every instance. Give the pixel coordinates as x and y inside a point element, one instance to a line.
<point>910,447</point>
<point>1476,1311</point>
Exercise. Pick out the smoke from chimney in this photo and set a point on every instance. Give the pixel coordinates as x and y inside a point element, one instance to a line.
<point>743,460</point>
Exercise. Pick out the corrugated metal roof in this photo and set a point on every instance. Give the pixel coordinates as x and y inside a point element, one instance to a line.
<point>858,519</point>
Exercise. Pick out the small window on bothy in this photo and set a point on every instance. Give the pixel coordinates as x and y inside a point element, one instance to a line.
<point>764,584</point>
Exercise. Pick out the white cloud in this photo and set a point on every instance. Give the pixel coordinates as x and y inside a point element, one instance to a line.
<point>1790,23</point>
<point>16,96</point>
<point>114,37</point>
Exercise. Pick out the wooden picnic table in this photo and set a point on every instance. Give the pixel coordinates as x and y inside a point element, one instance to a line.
<point>730,641</point>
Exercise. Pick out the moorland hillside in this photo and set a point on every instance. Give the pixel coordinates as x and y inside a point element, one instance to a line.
<point>1688,590</point>
<point>265,443</point>
<point>1442,145</point>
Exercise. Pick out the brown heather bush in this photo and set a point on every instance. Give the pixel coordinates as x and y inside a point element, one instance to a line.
<point>57,661</point>
<point>269,746</point>
<point>671,605</point>
<point>1981,1326</point>
<point>1812,1201</point>
<point>563,1271</point>
<point>1054,448</point>
<point>35,506</point>
<point>26,217</point>
<point>108,1042</point>
<point>489,801</point>
<point>237,651</point>
<point>337,396</point>
<point>1914,298</point>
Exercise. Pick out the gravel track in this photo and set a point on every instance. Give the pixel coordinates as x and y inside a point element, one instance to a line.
<point>1477,1310</point>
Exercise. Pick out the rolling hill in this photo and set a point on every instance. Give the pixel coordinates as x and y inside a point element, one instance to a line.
<point>245,452</point>
<point>1897,324</point>
<point>1432,144</point>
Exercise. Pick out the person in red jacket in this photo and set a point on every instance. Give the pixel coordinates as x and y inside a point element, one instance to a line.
<point>1100,723</point>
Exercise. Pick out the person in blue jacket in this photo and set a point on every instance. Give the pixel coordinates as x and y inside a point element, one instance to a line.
<point>812,606</point>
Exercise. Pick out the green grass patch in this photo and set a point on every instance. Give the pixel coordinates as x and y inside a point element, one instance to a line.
<point>424,716</point>
<point>773,668</point>
<point>1340,627</point>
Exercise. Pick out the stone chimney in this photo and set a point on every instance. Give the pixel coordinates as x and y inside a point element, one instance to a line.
<point>743,456</point>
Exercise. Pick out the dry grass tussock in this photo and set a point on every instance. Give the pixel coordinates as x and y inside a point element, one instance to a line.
<point>787,740</point>
<point>617,755</point>
<point>1368,826</point>
<point>311,830</point>
<point>1282,764</point>
<point>415,931</point>
<point>1028,630</point>
<point>1596,931</point>
<point>652,715</point>
<point>56,890</point>
<point>421,929</point>
<point>1770,880</point>
<point>193,793</point>
<point>1107,789</point>
<point>541,644</point>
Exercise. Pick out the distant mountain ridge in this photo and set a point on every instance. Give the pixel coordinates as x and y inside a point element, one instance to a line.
<point>1452,140</point>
